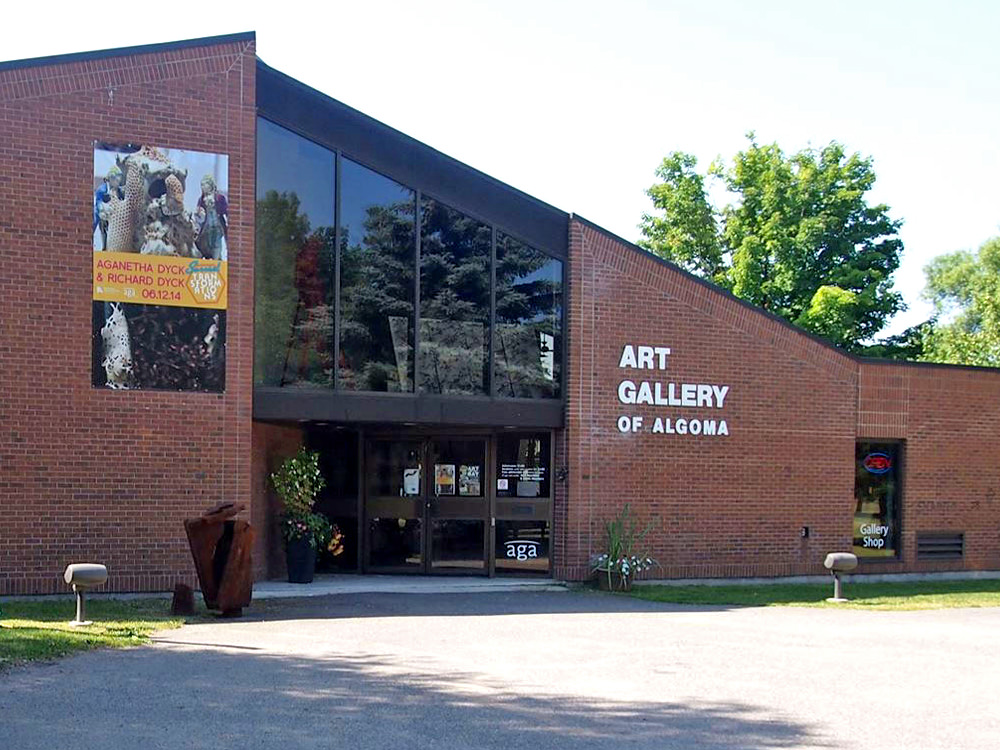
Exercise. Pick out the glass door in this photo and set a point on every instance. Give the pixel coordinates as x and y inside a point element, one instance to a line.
<point>394,505</point>
<point>457,506</point>
<point>426,505</point>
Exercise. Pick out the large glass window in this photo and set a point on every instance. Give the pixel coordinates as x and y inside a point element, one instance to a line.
<point>877,497</point>
<point>523,465</point>
<point>528,339</point>
<point>454,301</point>
<point>378,258</point>
<point>302,223</point>
<point>294,314</point>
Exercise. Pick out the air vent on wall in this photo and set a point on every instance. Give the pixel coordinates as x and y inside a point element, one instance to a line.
<point>940,545</point>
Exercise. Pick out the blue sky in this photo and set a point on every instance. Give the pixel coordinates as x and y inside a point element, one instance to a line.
<point>577,102</point>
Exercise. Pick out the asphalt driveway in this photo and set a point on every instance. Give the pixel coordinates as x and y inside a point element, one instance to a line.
<point>531,670</point>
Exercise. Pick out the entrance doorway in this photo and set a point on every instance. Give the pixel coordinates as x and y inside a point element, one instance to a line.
<point>427,508</point>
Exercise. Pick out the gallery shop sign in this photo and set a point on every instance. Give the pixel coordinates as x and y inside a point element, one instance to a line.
<point>634,391</point>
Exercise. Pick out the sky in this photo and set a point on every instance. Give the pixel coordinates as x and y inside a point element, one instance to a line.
<point>577,102</point>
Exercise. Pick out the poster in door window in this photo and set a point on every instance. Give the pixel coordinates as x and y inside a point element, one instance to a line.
<point>444,479</point>
<point>468,481</point>
<point>411,481</point>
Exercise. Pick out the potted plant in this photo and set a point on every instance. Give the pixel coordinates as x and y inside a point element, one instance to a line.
<point>297,483</point>
<point>626,555</point>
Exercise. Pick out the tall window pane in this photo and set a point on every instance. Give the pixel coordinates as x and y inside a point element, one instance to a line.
<point>528,341</point>
<point>877,498</point>
<point>294,274</point>
<point>377,262</point>
<point>454,301</point>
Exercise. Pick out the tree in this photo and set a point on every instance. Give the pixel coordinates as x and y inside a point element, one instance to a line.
<point>907,346</point>
<point>965,290</point>
<point>377,299</point>
<point>293,313</point>
<point>798,237</point>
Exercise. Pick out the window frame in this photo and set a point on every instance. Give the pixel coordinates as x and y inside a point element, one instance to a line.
<point>315,402</point>
<point>897,520</point>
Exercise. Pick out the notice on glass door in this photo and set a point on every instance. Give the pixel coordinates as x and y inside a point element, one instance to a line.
<point>468,481</point>
<point>444,479</point>
<point>411,481</point>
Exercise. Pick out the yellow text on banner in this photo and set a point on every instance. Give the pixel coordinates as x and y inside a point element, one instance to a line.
<point>160,280</point>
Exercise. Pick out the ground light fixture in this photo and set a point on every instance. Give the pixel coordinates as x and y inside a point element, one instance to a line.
<point>83,576</point>
<point>837,563</point>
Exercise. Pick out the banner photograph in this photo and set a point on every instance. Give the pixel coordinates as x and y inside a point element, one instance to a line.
<point>160,277</point>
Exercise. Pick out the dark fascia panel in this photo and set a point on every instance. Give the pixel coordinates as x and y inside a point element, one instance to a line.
<point>714,289</point>
<point>290,103</point>
<point>292,404</point>
<point>144,49</point>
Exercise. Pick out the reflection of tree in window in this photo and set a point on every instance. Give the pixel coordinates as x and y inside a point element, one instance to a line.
<point>454,301</point>
<point>294,295</point>
<point>528,342</point>
<point>376,277</point>
<point>293,274</point>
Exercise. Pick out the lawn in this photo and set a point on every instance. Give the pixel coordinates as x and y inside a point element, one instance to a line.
<point>895,596</point>
<point>31,630</point>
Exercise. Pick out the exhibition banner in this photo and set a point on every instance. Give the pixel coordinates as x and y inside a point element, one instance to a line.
<point>160,229</point>
<point>163,280</point>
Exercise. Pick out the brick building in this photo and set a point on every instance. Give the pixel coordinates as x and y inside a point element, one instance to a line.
<point>487,378</point>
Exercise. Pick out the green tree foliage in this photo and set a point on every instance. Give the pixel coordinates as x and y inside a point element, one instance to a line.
<point>454,300</point>
<point>281,231</point>
<point>687,233</point>
<point>965,289</point>
<point>293,314</point>
<point>908,345</point>
<point>797,238</point>
<point>528,313</point>
<point>376,300</point>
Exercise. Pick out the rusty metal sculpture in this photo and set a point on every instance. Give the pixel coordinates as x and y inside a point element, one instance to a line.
<point>221,545</point>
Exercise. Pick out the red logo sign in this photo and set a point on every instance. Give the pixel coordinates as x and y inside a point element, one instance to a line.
<point>877,463</point>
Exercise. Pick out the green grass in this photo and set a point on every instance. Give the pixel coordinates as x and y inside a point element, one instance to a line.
<point>882,596</point>
<point>33,630</point>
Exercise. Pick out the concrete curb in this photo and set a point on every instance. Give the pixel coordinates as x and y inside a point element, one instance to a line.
<point>348,584</point>
<point>970,575</point>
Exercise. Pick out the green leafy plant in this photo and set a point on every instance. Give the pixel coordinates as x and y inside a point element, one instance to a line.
<point>297,483</point>
<point>626,554</point>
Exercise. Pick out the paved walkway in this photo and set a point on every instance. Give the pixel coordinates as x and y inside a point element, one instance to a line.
<point>326,585</point>
<point>532,670</point>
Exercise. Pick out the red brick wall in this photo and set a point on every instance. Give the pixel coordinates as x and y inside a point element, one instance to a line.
<point>734,505</point>
<point>92,474</point>
<point>950,420</point>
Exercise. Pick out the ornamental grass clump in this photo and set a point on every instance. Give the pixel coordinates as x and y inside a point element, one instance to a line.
<point>626,554</point>
<point>297,483</point>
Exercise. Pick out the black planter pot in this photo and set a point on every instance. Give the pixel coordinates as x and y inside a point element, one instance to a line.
<point>617,581</point>
<point>301,559</point>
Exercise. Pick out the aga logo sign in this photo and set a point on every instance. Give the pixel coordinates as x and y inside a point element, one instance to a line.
<point>522,549</point>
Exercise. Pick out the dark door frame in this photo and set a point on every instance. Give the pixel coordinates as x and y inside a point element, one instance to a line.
<point>422,506</point>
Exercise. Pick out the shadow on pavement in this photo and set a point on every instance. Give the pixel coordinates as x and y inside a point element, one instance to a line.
<point>339,606</point>
<point>190,697</point>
